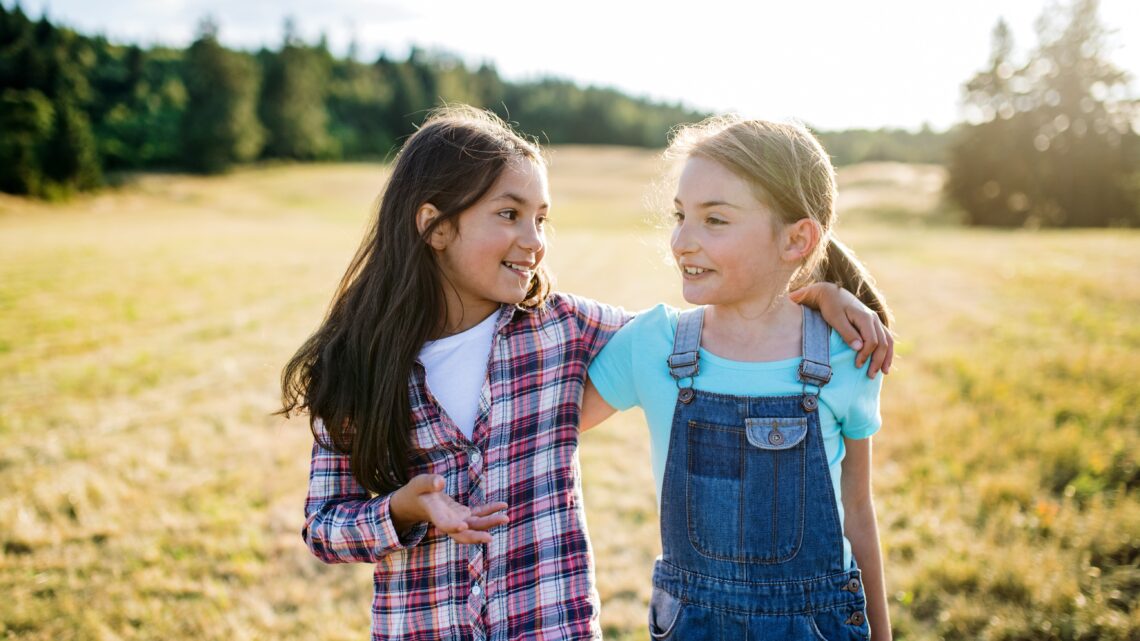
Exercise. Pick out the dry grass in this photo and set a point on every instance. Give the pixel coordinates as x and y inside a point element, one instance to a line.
<point>146,493</point>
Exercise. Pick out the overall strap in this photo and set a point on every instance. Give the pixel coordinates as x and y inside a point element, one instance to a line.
<point>815,368</point>
<point>684,362</point>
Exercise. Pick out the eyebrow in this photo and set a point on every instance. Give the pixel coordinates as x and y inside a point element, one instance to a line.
<point>710,203</point>
<point>509,195</point>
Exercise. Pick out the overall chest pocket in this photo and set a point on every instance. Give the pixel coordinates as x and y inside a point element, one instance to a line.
<point>745,488</point>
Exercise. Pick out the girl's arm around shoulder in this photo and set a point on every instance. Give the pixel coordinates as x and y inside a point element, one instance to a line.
<point>596,322</point>
<point>611,385</point>
<point>861,527</point>
<point>595,409</point>
<point>860,327</point>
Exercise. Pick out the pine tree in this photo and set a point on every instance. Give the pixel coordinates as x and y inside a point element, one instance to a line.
<point>293,100</point>
<point>1051,142</point>
<point>220,125</point>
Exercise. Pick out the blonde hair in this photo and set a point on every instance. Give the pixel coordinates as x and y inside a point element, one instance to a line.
<point>788,171</point>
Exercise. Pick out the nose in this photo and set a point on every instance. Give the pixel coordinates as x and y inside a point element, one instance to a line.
<point>532,238</point>
<point>682,240</point>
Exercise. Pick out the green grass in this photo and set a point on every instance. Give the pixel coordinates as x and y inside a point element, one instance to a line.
<point>147,493</point>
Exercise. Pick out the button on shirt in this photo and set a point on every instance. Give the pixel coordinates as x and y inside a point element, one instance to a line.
<point>534,580</point>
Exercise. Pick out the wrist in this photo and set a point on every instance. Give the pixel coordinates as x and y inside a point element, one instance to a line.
<point>404,509</point>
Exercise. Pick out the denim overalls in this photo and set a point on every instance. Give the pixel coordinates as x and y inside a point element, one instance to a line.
<point>752,545</point>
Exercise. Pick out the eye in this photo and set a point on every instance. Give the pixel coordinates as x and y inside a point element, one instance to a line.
<point>541,221</point>
<point>509,214</point>
<point>678,216</point>
<point>714,220</point>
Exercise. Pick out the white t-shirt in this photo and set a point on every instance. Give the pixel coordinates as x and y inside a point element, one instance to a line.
<point>456,367</point>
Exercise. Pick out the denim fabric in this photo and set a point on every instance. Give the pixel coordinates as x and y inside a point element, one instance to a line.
<point>751,541</point>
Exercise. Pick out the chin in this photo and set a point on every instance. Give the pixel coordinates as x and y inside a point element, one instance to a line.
<point>513,297</point>
<point>695,297</point>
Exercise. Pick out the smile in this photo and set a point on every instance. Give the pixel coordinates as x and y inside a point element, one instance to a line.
<point>521,270</point>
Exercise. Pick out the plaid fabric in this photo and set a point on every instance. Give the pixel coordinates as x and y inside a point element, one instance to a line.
<point>536,579</point>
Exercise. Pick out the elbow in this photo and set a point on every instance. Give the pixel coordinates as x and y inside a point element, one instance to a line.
<point>317,546</point>
<point>317,540</point>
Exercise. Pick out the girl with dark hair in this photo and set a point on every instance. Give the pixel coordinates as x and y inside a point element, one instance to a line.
<point>444,389</point>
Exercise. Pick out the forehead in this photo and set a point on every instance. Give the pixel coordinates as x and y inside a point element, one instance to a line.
<point>522,176</point>
<point>704,180</point>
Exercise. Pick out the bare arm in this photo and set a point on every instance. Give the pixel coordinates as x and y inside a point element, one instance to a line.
<point>595,409</point>
<point>861,528</point>
<point>860,327</point>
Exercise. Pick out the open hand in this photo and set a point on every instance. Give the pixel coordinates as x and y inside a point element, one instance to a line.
<point>423,499</point>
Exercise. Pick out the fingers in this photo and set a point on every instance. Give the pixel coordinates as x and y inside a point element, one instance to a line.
<point>850,334</point>
<point>890,352</point>
<point>471,537</point>
<point>867,327</point>
<point>484,523</point>
<point>807,295</point>
<point>865,324</point>
<point>487,516</point>
<point>481,519</point>
<point>426,483</point>
<point>488,508</point>
<point>880,355</point>
<point>450,522</point>
<point>463,524</point>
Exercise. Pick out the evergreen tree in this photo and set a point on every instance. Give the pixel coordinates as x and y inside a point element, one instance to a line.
<point>293,100</point>
<point>220,126</point>
<point>26,118</point>
<point>1051,141</point>
<point>70,158</point>
<point>358,103</point>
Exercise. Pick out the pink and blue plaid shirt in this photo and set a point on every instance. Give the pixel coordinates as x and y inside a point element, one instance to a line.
<point>535,580</point>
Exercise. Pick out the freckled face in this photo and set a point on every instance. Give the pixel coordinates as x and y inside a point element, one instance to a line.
<point>725,240</point>
<point>498,242</point>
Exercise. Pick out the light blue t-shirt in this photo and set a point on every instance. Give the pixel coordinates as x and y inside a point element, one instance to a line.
<point>631,370</point>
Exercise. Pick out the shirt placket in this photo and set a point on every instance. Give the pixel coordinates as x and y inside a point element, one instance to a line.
<point>476,559</point>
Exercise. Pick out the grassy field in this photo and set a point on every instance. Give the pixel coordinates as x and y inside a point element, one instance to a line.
<point>146,492</point>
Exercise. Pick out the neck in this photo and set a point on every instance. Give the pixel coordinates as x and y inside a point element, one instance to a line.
<point>461,316</point>
<point>757,330</point>
<point>756,316</point>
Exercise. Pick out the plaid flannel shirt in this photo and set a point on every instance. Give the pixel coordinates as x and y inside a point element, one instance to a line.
<point>535,580</point>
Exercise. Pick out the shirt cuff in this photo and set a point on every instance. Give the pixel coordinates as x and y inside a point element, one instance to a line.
<point>400,540</point>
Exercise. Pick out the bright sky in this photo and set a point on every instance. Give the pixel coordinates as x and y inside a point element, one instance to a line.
<point>833,64</point>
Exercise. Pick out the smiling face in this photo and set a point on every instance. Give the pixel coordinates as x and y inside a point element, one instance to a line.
<point>726,242</point>
<point>489,253</point>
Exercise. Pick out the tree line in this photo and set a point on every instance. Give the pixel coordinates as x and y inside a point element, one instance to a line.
<point>1052,139</point>
<point>74,108</point>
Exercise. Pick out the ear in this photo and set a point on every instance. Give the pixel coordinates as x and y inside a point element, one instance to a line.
<point>425,216</point>
<point>800,238</point>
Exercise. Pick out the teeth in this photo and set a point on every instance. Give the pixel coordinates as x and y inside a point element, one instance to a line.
<point>694,270</point>
<point>516,267</point>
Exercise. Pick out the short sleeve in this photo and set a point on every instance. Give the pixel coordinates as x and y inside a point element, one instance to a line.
<point>862,418</point>
<point>597,322</point>
<point>612,371</point>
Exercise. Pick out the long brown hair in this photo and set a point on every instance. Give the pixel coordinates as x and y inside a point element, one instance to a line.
<point>790,172</point>
<point>353,372</point>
